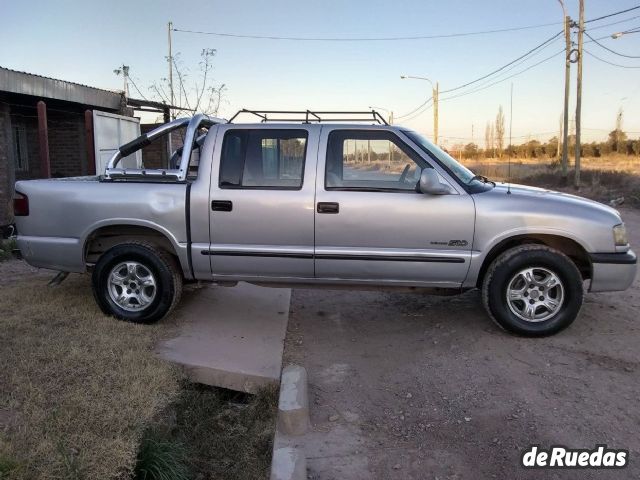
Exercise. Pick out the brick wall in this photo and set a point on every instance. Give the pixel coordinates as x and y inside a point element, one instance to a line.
<point>6,175</point>
<point>67,144</point>
<point>155,155</point>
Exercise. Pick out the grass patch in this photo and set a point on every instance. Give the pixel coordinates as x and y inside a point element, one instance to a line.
<point>83,396</point>
<point>77,388</point>
<point>161,460</point>
<point>7,466</point>
<point>227,435</point>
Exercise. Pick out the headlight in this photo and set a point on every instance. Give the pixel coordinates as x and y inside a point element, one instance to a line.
<point>620,235</point>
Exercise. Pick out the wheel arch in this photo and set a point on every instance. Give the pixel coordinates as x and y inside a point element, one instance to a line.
<point>570,247</point>
<point>103,236</point>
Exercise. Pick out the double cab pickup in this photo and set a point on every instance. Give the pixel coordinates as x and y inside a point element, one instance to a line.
<point>314,203</point>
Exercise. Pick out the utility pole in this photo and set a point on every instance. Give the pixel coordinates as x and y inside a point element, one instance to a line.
<point>436,92</point>
<point>435,89</point>
<point>169,28</point>
<point>579,95</point>
<point>560,130</point>
<point>567,80</point>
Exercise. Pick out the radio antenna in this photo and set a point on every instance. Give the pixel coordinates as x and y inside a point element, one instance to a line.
<point>510,142</point>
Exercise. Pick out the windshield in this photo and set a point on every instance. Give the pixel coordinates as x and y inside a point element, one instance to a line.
<point>465,175</point>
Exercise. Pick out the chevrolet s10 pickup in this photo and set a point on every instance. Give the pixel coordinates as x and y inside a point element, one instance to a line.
<point>326,200</point>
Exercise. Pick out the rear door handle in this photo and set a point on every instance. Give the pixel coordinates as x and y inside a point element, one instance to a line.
<point>328,207</point>
<point>221,205</point>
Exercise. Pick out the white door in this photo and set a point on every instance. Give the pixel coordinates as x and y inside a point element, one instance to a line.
<point>110,131</point>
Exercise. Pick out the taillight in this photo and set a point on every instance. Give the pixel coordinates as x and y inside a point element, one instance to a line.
<point>20,205</point>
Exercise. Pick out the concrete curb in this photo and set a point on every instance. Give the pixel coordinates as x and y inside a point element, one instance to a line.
<point>293,406</point>
<point>289,461</point>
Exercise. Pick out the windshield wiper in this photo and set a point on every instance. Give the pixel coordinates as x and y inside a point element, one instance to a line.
<point>481,178</point>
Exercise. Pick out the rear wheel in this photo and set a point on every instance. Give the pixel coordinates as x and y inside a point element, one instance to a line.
<point>533,290</point>
<point>137,282</point>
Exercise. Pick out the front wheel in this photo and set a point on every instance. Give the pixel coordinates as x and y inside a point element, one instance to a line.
<point>136,282</point>
<point>533,290</point>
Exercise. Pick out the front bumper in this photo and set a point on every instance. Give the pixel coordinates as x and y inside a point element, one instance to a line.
<point>612,272</point>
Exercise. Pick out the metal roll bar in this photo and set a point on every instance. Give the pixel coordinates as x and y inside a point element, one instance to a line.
<point>180,174</point>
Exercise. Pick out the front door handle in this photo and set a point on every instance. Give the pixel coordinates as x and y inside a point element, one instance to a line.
<point>328,207</point>
<point>221,205</point>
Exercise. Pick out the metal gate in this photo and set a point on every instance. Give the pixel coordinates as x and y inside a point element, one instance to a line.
<point>110,131</point>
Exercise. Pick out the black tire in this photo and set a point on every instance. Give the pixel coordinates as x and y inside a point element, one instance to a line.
<point>503,269</point>
<point>163,267</point>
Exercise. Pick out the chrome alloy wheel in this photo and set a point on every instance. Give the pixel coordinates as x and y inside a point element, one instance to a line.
<point>131,286</point>
<point>535,294</point>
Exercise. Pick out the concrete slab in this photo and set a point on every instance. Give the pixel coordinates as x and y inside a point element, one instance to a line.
<point>231,337</point>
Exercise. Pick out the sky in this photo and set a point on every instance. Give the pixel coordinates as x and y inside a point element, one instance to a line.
<point>84,41</point>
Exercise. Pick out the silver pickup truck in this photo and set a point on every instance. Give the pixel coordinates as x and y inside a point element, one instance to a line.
<point>317,202</point>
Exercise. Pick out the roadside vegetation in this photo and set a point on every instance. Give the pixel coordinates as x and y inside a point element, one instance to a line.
<point>614,179</point>
<point>83,396</point>
<point>211,433</point>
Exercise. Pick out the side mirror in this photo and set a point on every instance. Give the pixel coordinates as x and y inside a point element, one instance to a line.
<point>430,183</point>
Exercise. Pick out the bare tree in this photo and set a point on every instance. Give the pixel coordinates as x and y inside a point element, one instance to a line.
<point>500,131</point>
<point>487,140</point>
<point>200,95</point>
<point>492,141</point>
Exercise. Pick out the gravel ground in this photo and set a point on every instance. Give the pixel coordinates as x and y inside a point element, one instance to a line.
<point>411,386</point>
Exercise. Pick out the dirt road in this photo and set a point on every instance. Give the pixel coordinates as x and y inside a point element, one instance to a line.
<point>410,386</point>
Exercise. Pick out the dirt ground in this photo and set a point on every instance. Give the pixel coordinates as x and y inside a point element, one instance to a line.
<point>411,386</point>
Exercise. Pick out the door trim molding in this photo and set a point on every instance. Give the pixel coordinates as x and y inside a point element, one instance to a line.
<point>244,253</point>
<point>390,258</point>
<point>332,256</point>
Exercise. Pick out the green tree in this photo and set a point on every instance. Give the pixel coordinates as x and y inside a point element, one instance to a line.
<point>471,150</point>
<point>617,141</point>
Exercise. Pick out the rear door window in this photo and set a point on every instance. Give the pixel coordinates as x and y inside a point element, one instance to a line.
<point>263,159</point>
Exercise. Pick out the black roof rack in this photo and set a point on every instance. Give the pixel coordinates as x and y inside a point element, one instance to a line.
<point>309,116</point>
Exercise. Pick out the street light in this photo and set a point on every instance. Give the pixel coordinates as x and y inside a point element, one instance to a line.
<point>617,35</point>
<point>389,113</point>
<point>434,90</point>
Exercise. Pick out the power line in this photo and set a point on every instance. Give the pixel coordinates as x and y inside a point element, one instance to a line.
<point>505,68</point>
<point>136,87</point>
<point>416,115</point>
<point>396,38</point>
<point>512,65</point>
<point>485,86</point>
<point>367,39</point>
<point>605,25</point>
<point>607,48</point>
<point>612,14</point>
<point>415,109</point>
<point>469,92</point>
<point>550,39</point>
<point>610,63</point>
